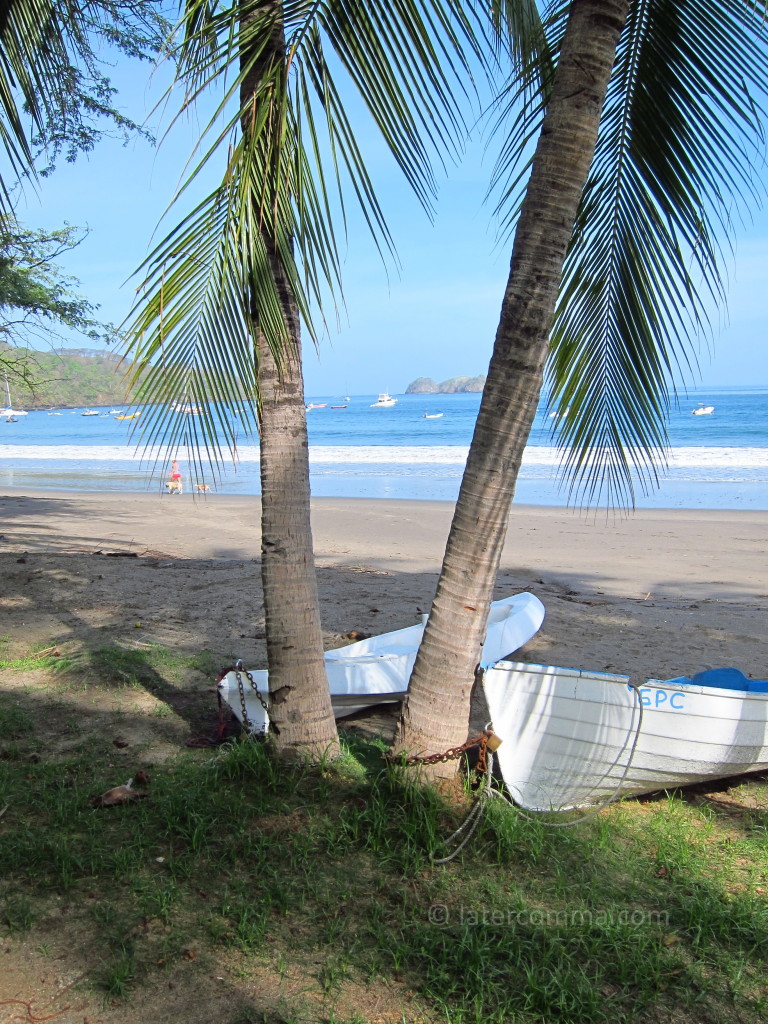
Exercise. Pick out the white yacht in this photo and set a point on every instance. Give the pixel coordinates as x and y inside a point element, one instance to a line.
<point>384,401</point>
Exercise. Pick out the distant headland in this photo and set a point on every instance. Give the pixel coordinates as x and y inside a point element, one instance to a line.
<point>452,386</point>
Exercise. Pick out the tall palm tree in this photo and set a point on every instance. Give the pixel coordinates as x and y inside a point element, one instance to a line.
<point>671,93</point>
<point>217,323</point>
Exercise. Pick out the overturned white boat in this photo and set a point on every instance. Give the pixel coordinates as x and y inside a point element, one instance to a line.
<point>376,670</point>
<point>577,739</point>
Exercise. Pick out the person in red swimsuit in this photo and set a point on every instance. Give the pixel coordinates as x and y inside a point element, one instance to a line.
<point>174,487</point>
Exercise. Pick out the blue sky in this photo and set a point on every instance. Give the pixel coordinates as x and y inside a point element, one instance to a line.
<point>435,318</point>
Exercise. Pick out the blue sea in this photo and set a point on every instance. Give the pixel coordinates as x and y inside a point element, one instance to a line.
<point>717,461</point>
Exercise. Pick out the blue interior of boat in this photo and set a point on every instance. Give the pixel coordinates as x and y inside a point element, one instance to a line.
<point>724,679</point>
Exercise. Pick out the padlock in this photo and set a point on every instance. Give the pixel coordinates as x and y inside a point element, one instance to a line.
<point>493,742</point>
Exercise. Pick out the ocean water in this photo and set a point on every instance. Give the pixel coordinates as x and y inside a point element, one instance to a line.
<point>717,461</point>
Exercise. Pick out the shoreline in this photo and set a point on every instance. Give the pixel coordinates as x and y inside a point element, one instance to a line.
<point>656,551</point>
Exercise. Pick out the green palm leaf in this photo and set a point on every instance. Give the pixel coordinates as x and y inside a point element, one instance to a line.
<point>680,143</point>
<point>292,163</point>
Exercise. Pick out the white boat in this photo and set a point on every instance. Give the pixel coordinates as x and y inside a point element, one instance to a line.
<point>185,407</point>
<point>89,412</point>
<point>573,739</point>
<point>376,670</point>
<point>384,401</point>
<point>432,415</point>
<point>9,414</point>
<point>703,410</point>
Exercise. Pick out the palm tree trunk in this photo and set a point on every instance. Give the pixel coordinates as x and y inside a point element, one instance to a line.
<point>301,709</point>
<point>301,704</point>
<point>436,712</point>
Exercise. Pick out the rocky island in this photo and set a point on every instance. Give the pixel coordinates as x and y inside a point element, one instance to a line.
<point>452,386</point>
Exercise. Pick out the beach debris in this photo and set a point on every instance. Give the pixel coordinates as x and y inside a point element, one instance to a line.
<point>47,652</point>
<point>122,794</point>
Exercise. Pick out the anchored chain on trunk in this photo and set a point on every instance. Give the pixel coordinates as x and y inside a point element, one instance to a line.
<point>486,741</point>
<point>239,669</point>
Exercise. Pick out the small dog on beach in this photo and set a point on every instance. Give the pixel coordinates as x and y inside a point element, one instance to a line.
<point>173,486</point>
<point>202,487</point>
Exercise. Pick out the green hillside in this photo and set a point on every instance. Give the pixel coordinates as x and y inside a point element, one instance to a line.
<point>67,378</point>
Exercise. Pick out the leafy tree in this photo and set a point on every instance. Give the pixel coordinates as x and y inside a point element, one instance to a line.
<point>36,299</point>
<point>670,99</point>
<point>55,99</point>
<point>54,95</point>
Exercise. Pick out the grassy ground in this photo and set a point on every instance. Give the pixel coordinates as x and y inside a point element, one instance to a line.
<point>311,893</point>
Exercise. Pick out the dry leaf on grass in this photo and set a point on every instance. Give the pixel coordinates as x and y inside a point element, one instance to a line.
<point>120,794</point>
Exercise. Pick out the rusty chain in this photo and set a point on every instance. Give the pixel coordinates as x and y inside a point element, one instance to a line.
<point>485,741</point>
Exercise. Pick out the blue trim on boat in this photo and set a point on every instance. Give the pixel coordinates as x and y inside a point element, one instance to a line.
<point>723,679</point>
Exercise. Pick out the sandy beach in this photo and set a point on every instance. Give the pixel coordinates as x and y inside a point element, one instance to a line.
<point>654,594</point>
<point>173,583</point>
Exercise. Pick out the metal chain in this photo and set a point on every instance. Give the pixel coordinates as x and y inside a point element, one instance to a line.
<point>451,754</point>
<point>239,669</point>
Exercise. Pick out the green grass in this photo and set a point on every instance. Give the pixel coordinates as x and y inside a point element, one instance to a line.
<point>643,913</point>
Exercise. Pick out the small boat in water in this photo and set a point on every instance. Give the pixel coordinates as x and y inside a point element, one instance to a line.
<point>384,401</point>
<point>432,415</point>
<point>90,412</point>
<point>573,739</point>
<point>9,414</point>
<point>376,670</point>
<point>703,410</point>
<point>128,416</point>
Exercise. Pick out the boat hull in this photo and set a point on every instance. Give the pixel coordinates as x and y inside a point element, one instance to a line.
<point>574,739</point>
<point>376,670</point>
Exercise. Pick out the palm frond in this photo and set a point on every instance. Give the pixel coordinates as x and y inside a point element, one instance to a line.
<point>520,106</point>
<point>293,164</point>
<point>679,150</point>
